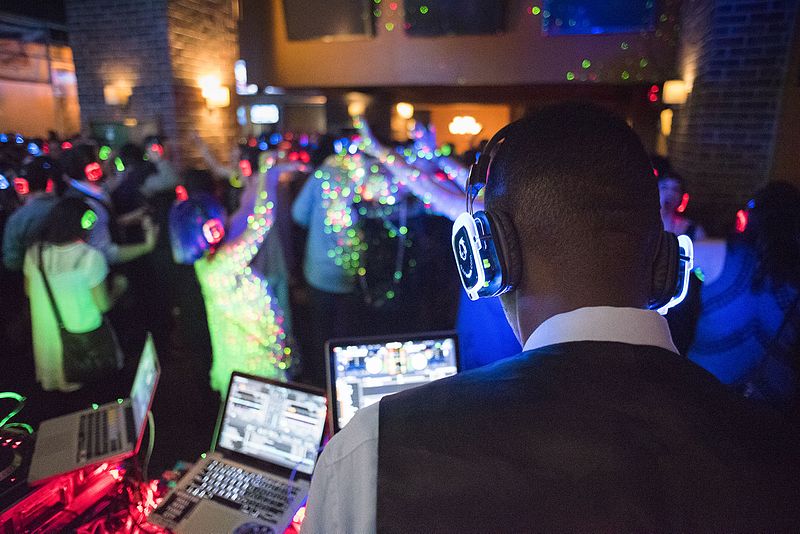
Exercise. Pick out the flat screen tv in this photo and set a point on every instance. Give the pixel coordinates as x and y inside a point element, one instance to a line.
<point>318,19</point>
<point>430,18</point>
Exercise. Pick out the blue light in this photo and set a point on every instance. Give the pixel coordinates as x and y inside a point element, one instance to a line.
<point>19,139</point>
<point>275,138</point>
<point>33,149</point>
<point>3,138</point>
<point>3,182</point>
<point>263,145</point>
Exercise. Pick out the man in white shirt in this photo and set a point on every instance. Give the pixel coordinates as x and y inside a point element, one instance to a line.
<point>599,424</point>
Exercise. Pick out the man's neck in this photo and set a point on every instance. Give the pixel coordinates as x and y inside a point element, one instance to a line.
<point>533,310</point>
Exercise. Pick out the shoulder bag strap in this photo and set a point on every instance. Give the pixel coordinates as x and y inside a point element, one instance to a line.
<point>50,291</point>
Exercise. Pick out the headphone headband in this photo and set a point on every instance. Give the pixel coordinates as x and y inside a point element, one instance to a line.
<point>479,171</point>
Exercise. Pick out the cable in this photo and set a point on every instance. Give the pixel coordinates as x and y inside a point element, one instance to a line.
<point>20,404</point>
<point>151,426</point>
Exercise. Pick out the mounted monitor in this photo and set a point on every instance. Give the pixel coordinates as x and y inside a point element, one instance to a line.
<point>581,17</point>
<point>318,19</point>
<point>431,18</point>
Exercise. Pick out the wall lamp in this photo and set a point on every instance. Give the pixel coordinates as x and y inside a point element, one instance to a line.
<point>215,94</point>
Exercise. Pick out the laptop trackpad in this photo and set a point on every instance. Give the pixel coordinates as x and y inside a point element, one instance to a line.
<point>209,517</point>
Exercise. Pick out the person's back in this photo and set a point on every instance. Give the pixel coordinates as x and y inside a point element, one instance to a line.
<point>748,334</point>
<point>25,225</point>
<point>74,271</point>
<point>584,436</point>
<point>599,424</point>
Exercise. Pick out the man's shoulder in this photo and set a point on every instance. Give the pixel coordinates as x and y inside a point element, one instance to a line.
<point>360,433</point>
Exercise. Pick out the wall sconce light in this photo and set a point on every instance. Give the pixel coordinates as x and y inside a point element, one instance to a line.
<point>117,94</point>
<point>405,110</point>
<point>215,94</point>
<point>464,125</point>
<point>675,92</point>
<point>666,122</point>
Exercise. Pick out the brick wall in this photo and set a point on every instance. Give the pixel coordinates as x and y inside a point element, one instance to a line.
<point>203,41</point>
<point>734,54</point>
<point>160,48</point>
<point>122,42</point>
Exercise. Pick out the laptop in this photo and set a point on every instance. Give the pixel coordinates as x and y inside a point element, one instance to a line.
<point>361,371</point>
<point>107,433</point>
<point>259,471</point>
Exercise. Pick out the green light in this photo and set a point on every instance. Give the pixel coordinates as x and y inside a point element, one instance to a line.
<point>570,75</point>
<point>535,10</point>
<point>377,1</point>
<point>625,75</point>
<point>586,63</point>
<point>105,152</point>
<point>446,150</point>
<point>120,401</point>
<point>203,456</point>
<point>95,406</point>
<point>698,272</point>
<point>398,275</point>
<point>423,9</point>
<point>403,230</point>
<point>118,164</point>
<point>376,12</point>
<point>389,26</point>
<point>390,294</point>
<point>643,63</point>
<point>88,219</point>
<point>486,263</point>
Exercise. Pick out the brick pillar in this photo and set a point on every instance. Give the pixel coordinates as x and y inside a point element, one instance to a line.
<point>203,42</point>
<point>159,49</point>
<point>734,55</point>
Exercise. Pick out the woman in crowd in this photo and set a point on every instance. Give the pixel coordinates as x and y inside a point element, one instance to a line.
<point>749,330</point>
<point>77,275</point>
<point>245,319</point>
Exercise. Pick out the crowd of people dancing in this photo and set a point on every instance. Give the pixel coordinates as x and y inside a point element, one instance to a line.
<point>346,230</point>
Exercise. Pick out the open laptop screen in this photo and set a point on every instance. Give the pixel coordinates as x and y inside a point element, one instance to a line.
<point>144,385</point>
<point>272,422</point>
<point>361,372</point>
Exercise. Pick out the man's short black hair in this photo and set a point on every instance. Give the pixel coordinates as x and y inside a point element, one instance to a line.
<point>39,171</point>
<point>75,160</point>
<point>580,189</point>
<point>64,223</point>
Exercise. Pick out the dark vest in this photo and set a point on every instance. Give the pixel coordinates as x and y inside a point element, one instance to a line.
<point>584,436</point>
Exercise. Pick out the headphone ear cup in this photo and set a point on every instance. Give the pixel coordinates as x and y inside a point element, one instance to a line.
<point>505,237</point>
<point>665,271</point>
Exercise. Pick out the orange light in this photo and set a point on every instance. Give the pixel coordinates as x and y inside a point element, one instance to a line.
<point>742,218</point>
<point>21,186</point>
<point>684,203</point>
<point>245,167</point>
<point>93,171</point>
<point>214,231</point>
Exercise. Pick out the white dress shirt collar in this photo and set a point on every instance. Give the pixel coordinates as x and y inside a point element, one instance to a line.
<point>604,323</point>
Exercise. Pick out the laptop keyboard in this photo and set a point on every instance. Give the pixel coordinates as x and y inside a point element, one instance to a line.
<point>258,495</point>
<point>99,434</point>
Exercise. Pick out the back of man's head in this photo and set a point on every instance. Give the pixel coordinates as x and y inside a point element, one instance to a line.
<point>41,172</point>
<point>580,190</point>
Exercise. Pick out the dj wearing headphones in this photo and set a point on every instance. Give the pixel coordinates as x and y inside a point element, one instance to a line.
<point>598,424</point>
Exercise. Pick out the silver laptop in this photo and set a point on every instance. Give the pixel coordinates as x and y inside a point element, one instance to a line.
<point>268,438</point>
<point>361,371</point>
<point>106,433</point>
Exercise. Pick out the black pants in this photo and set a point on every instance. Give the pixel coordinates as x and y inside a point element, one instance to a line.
<point>332,315</point>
